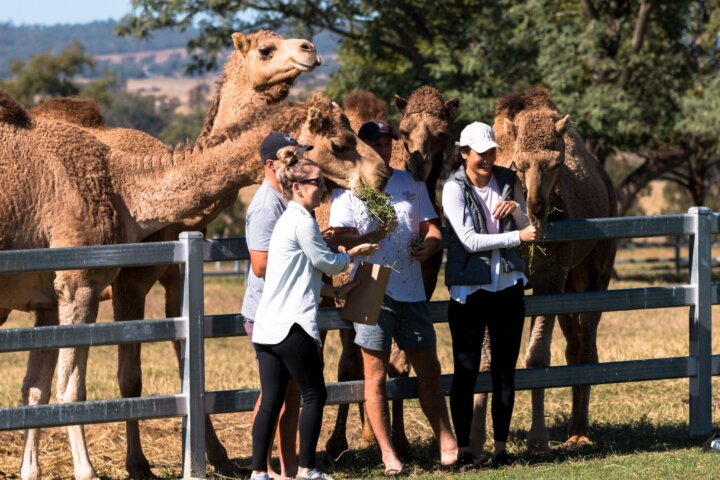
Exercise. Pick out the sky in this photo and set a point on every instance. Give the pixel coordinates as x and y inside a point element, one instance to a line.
<point>50,12</point>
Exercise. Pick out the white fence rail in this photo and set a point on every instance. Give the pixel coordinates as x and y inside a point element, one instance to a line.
<point>193,327</point>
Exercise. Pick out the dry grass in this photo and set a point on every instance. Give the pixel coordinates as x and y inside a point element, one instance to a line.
<point>630,421</point>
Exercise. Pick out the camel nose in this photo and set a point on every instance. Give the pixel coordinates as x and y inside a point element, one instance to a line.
<point>307,47</point>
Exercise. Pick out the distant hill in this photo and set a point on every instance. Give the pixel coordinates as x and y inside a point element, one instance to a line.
<point>161,54</point>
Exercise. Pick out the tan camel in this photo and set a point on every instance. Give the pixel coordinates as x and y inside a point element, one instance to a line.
<point>563,181</point>
<point>425,123</point>
<point>64,188</point>
<point>259,72</point>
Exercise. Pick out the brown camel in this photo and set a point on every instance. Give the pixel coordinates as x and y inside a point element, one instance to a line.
<point>97,195</point>
<point>259,72</point>
<point>425,122</point>
<point>563,181</point>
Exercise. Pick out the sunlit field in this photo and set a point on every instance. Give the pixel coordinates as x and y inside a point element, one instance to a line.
<point>640,430</point>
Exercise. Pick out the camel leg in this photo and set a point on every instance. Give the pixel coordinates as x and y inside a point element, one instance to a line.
<point>399,367</point>
<point>216,453</point>
<point>581,334</point>
<point>36,391</point>
<point>478,430</point>
<point>349,368</point>
<point>538,356</point>
<point>78,299</point>
<point>129,292</point>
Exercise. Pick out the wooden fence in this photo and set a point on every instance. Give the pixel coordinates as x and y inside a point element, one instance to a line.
<point>193,327</point>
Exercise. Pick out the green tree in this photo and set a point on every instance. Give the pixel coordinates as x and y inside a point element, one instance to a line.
<point>636,75</point>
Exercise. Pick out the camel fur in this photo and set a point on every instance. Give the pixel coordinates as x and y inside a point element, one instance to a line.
<point>563,181</point>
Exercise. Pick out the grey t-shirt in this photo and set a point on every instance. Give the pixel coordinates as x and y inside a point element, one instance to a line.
<point>263,213</point>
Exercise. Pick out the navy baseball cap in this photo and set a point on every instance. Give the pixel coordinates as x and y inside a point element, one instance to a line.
<point>374,129</point>
<point>274,142</point>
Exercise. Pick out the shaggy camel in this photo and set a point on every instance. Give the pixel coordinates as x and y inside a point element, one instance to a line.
<point>563,181</point>
<point>96,195</point>
<point>425,122</point>
<point>259,72</point>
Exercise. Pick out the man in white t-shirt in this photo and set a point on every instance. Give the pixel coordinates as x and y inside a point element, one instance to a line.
<point>404,315</point>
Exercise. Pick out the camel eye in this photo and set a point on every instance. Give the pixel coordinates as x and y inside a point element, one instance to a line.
<point>338,148</point>
<point>265,52</point>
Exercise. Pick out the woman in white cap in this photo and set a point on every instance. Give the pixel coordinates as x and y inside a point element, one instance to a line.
<point>483,205</point>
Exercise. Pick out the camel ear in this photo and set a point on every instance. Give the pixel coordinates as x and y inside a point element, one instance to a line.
<point>400,103</point>
<point>561,125</point>
<point>452,106</point>
<point>510,127</point>
<point>241,42</point>
<point>315,119</point>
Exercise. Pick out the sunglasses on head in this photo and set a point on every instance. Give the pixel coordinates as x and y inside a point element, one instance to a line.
<point>317,181</point>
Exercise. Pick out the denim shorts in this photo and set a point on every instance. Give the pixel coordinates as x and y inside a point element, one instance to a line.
<point>409,323</point>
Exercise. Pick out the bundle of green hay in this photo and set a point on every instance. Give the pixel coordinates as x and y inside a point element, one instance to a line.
<point>377,203</point>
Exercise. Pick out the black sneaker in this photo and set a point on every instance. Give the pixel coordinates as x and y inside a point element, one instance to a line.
<point>465,461</point>
<point>501,459</point>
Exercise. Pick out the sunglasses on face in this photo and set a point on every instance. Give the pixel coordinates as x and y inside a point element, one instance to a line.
<point>317,181</point>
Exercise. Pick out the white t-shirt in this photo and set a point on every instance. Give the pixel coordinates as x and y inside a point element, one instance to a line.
<point>412,205</point>
<point>453,203</point>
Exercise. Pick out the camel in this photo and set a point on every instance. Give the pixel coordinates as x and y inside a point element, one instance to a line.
<point>563,180</point>
<point>65,188</point>
<point>259,72</point>
<point>425,122</point>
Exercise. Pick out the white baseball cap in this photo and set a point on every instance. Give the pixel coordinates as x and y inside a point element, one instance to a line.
<point>478,136</point>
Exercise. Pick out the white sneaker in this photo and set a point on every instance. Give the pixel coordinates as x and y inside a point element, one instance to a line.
<point>314,474</point>
<point>260,476</point>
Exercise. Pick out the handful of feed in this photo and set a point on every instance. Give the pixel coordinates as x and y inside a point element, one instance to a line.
<point>416,243</point>
<point>377,204</point>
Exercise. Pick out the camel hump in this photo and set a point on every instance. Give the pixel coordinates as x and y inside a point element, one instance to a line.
<point>12,112</point>
<point>535,98</point>
<point>364,106</point>
<point>83,112</point>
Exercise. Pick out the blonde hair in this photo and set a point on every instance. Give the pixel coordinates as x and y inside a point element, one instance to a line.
<point>292,168</point>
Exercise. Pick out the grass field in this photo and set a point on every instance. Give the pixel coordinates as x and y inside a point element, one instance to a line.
<point>640,429</point>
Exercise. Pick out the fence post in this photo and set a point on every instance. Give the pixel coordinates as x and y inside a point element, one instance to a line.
<point>193,358</point>
<point>700,323</point>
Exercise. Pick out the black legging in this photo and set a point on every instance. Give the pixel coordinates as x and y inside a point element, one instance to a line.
<point>503,312</point>
<point>297,356</point>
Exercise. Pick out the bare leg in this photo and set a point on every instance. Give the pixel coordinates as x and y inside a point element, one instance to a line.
<point>399,367</point>
<point>427,367</point>
<point>36,391</point>
<point>287,429</point>
<point>375,367</point>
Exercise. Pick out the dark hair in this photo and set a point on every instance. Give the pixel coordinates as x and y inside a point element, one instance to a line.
<point>457,159</point>
<point>292,168</point>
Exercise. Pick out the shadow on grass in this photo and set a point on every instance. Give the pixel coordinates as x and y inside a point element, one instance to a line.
<point>640,436</point>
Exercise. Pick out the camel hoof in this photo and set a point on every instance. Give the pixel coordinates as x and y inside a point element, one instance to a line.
<point>578,441</point>
<point>335,447</point>
<point>402,447</point>
<point>140,470</point>
<point>538,442</point>
<point>226,468</point>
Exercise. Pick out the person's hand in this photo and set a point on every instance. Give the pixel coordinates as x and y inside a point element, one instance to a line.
<point>530,233</point>
<point>363,249</point>
<point>328,234</point>
<point>342,292</point>
<point>423,252</point>
<point>503,209</point>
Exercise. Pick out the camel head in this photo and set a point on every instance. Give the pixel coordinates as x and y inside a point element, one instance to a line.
<point>539,155</point>
<point>342,156</point>
<point>425,121</point>
<point>12,112</point>
<point>270,63</point>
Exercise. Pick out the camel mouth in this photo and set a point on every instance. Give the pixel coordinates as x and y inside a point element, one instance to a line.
<point>304,67</point>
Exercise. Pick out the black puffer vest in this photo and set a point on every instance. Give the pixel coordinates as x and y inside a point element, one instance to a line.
<point>473,268</point>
